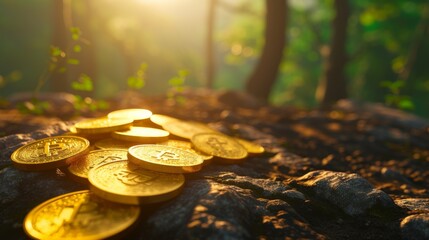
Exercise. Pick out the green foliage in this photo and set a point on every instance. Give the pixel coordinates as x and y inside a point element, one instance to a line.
<point>35,107</point>
<point>394,97</point>
<point>84,83</point>
<point>88,104</point>
<point>13,76</point>
<point>137,81</point>
<point>177,86</point>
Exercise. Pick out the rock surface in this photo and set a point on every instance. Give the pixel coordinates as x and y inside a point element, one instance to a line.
<point>351,172</point>
<point>415,227</point>
<point>350,192</point>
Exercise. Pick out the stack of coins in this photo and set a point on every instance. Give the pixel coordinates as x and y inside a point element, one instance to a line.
<point>128,158</point>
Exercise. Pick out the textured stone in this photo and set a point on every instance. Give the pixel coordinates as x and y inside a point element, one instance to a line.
<point>414,204</point>
<point>415,227</point>
<point>262,187</point>
<point>21,191</point>
<point>211,210</point>
<point>350,192</point>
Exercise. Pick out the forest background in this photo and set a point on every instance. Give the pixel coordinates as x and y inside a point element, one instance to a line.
<point>101,47</point>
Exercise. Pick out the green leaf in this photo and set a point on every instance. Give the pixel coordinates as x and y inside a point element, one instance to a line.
<point>406,104</point>
<point>57,52</point>
<point>176,81</point>
<point>135,82</point>
<point>77,48</point>
<point>183,73</point>
<point>75,31</point>
<point>62,69</point>
<point>73,61</point>
<point>84,83</point>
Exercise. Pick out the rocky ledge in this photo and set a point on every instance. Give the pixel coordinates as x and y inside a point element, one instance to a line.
<point>351,172</point>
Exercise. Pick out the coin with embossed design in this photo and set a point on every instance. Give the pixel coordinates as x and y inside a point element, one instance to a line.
<point>48,153</point>
<point>188,146</point>
<point>252,148</point>
<point>186,129</point>
<point>125,182</point>
<point>226,148</point>
<point>81,166</point>
<point>165,158</point>
<point>137,114</point>
<point>103,125</point>
<point>142,135</point>
<point>79,215</point>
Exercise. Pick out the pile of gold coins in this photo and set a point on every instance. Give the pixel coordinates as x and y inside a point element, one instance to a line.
<point>129,158</point>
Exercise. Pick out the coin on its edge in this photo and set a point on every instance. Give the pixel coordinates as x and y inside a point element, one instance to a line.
<point>79,215</point>
<point>163,158</point>
<point>224,147</point>
<point>160,119</point>
<point>79,169</point>
<point>102,125</point>
<point>137,114</point>
<point>252,148</point>
<point>125,182</point>
<point>186,129</point>
<point>142,135</point>
<point>49,153</point>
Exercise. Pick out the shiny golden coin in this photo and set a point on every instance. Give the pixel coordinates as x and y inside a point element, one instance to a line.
<point>142,135</point>
<point>102,125</point>
<point>219,145</point>
<point>186,129</point>
<point>251,147</point>
<point>187,146</point>
<point>80,168</point>
<point>79,215</point>
<point>160,119</point>
<point>111,143</point>
<point>125,182</point>
<point>90,137</point>
<point>48,153</point>
<point>165,158</point>
<point>137,114</point>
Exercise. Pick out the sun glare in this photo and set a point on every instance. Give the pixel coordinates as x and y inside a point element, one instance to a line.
<point>155,2</point>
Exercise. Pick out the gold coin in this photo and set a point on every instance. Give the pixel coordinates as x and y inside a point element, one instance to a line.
<point>160,119</point>
<point>111,143</point>
<point>165,158</point>
<point>251,147</point>
<point>80,168</point>
<point>186,129</point>
<point>142,135</point>
<point>125,182</point>
<point>102,125</point>
<point>187,146</point>
<point>48,153</point>
<point>219,145</point>
<point>79,215</point>
<point>137,114</point>
<point>90,137</point>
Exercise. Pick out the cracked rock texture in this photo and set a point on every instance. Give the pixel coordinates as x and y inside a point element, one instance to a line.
<point>351,172</point>
<point>350,192</point>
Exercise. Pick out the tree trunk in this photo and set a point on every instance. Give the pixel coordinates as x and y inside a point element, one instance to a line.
<point>332,86</point>
<point>262,79</point>
<point>210,67</point>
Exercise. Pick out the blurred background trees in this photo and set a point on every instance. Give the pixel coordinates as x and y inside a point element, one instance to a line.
<point>323,50</point>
